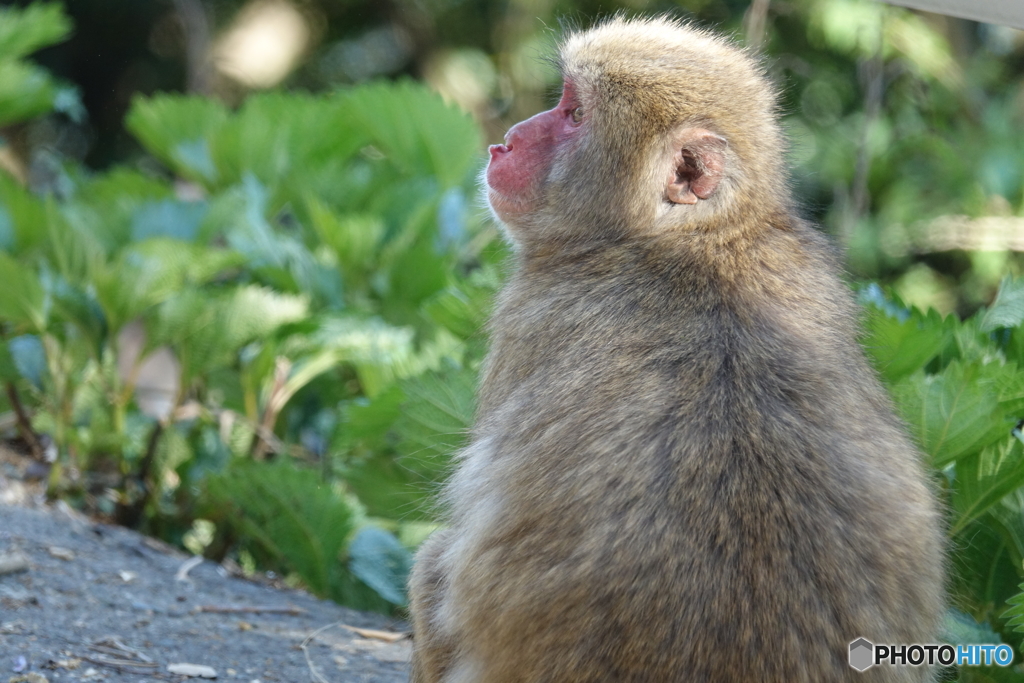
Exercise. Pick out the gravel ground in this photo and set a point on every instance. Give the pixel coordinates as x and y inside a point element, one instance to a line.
<point>102,603</point>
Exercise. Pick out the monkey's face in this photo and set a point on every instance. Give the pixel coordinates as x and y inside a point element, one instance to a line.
<point>660,129</point>
<point>517,169</point>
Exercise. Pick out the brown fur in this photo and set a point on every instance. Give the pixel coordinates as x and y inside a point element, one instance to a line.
<point>683,468</point>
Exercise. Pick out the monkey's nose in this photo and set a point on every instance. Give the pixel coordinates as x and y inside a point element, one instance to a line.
<point>495,150</point>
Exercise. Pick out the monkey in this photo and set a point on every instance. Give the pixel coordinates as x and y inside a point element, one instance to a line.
<point>682,467</point>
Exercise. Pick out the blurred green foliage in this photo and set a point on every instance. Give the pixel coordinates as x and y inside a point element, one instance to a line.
<point>275,334</point>
<point>282,341</point>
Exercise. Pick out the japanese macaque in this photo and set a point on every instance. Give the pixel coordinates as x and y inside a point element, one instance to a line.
<point>683,468</point>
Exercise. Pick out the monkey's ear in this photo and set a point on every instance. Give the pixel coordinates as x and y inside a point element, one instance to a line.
<point>698,165</point>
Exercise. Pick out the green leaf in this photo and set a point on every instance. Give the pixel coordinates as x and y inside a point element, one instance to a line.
<point>900,347</point>
<point>1007,521</point>
<point>379,352</point>
<point>23,31</point>
<point>299,135</point>
<point>29,358</point>
<point>1015,614</point>
<point>8,370</point>
<point>75,246</point>
<point>365,423</point>
<point>289,513</point>
<point>210,329</point>
<point>78,307</point>
<point>460,313</point>
<point>178,131</point>
<point>418,273</point>
<point>983,479</point>
<point>355,240</point>
<point>21,296</point>
<point>427,418</point>
<point>438,141</point>
<point>24,214</point>
<point>381,562</point>
<point>153,271</point>
<point>961,410</point>
<point>278,258</point>
<point>1008,308</point>
<point>435,419</point>
<point>26,91</point>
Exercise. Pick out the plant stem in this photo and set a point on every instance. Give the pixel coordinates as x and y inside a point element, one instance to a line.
<point>129,513</point>
<point>24,423</point>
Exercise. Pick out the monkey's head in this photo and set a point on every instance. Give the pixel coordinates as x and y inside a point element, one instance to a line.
<point>661,128</point>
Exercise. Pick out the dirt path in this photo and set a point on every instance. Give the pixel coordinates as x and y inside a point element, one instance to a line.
<point>101,603</point>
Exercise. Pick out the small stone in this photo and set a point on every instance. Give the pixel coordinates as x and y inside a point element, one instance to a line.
<point>192,670</point>
<point>13,562</point>
<point>61,553</point>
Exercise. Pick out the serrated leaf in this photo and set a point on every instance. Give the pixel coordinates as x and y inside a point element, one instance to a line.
<point>381,562</point>
<point>435,420</point>
<point>355,239</point>
<point>899,346</point>
<point>418,273</point>
<point>21,296</point>
<point>380,352</point>
<point>1008,308</point>
<point>152,271</point>
<point>1015,614</point>
<point>959,411</point>
<point>26,91</point>
<point>439,141</point>
<point>460,313</point>
<point>210,330</point>
<point>78,307</point>
<point>289,513</point>
<point>25,30</point>
<point>429,416</point>
<point>178,131</point>
<point>299,134</point>
<point>984,478</point>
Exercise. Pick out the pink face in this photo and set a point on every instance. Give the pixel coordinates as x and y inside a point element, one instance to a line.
<point>518,168</point>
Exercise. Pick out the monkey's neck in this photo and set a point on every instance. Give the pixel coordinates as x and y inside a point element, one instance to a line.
<point>616,305</point>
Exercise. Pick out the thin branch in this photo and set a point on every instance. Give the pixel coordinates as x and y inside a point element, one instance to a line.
<point>25,430</point>
<point>129,513</point>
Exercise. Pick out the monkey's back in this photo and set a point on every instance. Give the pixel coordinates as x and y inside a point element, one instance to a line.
<point>685,472</point>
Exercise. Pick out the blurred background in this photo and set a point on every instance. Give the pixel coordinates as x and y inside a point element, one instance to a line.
<point>904,125</point>
<point>245,269</point>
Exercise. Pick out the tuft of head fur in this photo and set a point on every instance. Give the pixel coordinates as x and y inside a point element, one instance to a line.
<point>639,80</point>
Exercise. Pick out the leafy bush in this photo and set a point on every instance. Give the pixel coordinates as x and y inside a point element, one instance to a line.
<point>959,386</point>
<point>302,269</point>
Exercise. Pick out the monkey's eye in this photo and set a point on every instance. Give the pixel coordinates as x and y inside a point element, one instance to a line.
<point>577,115</point>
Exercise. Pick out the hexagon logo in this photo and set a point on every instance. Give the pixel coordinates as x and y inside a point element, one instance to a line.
<point>862,654</point>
